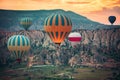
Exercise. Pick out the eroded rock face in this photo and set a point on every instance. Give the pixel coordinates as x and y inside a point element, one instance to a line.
<point>100,38</point>
<point>96,46</point>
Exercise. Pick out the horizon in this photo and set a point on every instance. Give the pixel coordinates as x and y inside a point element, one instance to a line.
<point>97,10</point>
<point>63,10</point>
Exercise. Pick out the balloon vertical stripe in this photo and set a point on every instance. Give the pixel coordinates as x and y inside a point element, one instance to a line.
<point>18,41</point>
<point>51,20</point>
<point>23,41</point>
<point>62,20</point>
<point>67,20</point>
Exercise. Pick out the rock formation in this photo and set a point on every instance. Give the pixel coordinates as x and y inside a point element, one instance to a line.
<point>96,46</point>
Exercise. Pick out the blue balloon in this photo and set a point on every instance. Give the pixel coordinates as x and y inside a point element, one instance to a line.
<point>112,19</point>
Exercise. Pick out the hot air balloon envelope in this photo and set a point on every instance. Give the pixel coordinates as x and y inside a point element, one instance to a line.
<point>58,27</point>
<point>112,19</point>
<point>74,38</point>
<point>26,22</point>
<point>18,45</point>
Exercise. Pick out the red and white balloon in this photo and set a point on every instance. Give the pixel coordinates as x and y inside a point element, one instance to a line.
<point>74,38</point>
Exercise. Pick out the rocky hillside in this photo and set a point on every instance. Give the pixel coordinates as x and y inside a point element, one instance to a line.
<point>97,46</point>
<point>9,19</point>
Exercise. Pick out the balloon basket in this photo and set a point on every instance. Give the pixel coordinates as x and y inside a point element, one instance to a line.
<point>18,60</point>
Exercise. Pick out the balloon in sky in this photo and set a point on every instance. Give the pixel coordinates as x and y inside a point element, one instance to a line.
<point>74,38</point>
<point>26,22</point>
<point>112,19</point>
<point>18,45</point>
<point>58,27</point>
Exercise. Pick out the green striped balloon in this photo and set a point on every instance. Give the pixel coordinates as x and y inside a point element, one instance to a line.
<point>26,22</point>
<point>18,45</point>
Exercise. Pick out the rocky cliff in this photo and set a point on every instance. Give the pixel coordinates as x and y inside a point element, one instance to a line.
<point>96,46</point>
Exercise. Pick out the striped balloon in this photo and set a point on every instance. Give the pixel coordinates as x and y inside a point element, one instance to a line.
<point>26,22</point>
<point>58,27</point>
<point>74,38</point>
<point>18,45</point>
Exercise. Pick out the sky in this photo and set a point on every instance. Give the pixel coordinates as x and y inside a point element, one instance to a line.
<point>96,10</point>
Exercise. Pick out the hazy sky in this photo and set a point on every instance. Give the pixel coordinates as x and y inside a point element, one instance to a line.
<point>97,10</point>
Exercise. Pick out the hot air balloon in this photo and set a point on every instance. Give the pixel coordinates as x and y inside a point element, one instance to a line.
<point>26,22</point>
<point>58,27</point>
<point>112,19</point>
<point>18,45</point>
<point>74,38</point>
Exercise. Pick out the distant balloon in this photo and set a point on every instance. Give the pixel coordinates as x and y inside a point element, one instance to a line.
<point>58,27</point>
<point>112,19</point>
<point>26,22</point>
<point>74,38</point>
<point>18,45</point>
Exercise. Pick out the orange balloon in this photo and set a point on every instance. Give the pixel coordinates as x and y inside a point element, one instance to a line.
<point>58,26</point>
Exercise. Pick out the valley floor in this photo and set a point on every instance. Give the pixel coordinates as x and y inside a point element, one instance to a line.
<point>51,72</point>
